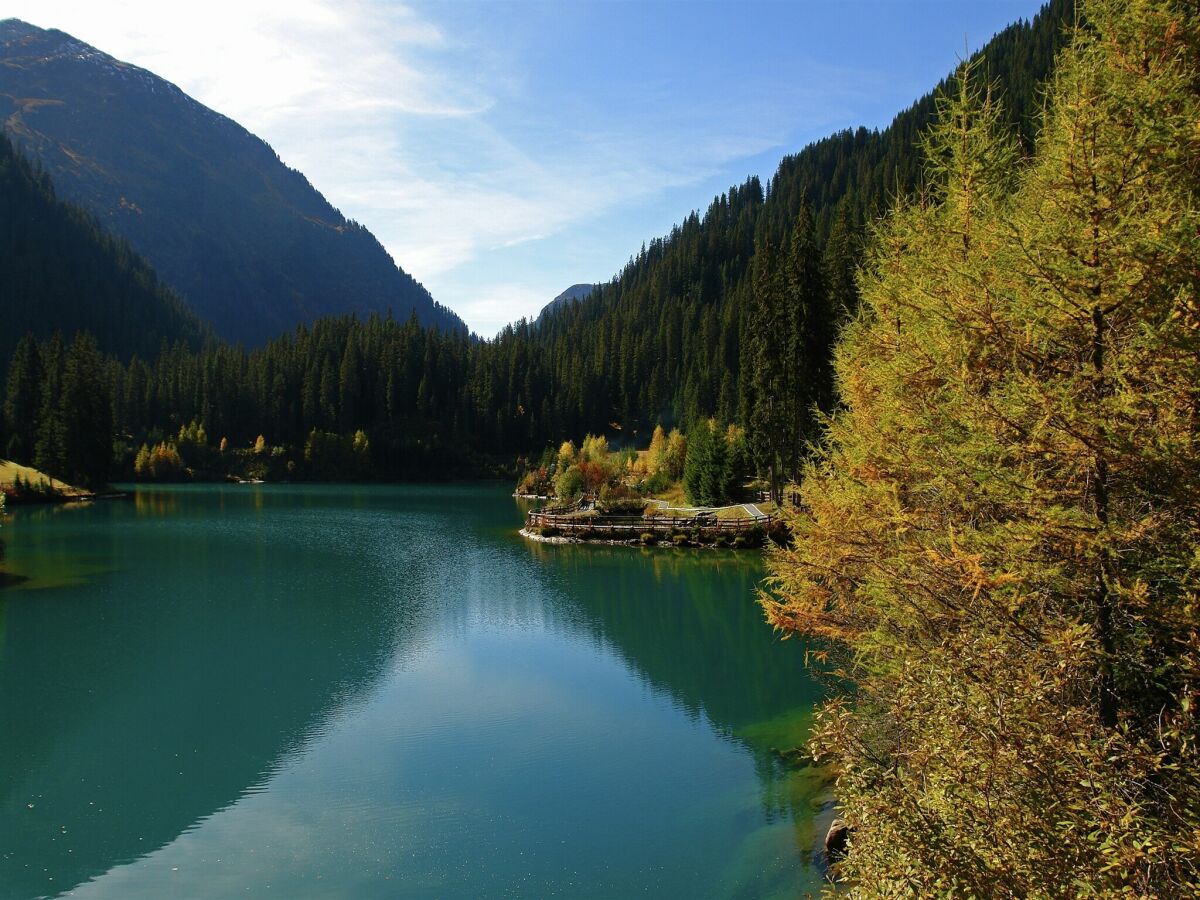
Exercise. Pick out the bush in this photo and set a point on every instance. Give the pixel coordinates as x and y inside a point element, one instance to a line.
<point>679,539</point>
<point>632,506</point>
<point>570,484</point>
<point>647,537</point>
<point>656,483</point>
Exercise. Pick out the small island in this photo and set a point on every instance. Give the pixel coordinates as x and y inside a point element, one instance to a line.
<point>682,491</point>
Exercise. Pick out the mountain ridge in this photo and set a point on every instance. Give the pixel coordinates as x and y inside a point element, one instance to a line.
<point>573,293</point>
<point>61,271</point>
<point>249,242</point>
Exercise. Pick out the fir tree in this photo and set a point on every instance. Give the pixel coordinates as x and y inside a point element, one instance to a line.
<point>23,400</point>
<point>48,454</point>
<point>85,414</point>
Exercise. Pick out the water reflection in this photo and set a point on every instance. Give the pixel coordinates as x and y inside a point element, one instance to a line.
<point>395,674</point>
<point>706,647</point>
<point>139,707</point>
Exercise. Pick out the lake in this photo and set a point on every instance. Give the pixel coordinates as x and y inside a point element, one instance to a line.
<point>384,691</point>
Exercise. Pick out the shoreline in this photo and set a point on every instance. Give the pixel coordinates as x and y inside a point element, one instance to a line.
<point>661,544</point>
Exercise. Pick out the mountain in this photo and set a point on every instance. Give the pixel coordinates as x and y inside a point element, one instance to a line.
<point>250,245</point>
<point>666,339</point>
<point>571,294</point>
<point>60,271</point>
<point>674,337</point>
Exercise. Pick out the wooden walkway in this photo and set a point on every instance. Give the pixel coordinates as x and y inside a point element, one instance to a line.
<point>566,518</point>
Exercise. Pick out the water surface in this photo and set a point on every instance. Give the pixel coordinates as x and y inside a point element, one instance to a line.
<point>384,691</point>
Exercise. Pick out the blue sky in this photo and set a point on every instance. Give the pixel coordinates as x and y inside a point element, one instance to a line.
<point>504,151</point>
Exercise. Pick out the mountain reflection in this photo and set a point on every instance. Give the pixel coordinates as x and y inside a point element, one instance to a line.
<point>703,642</point>
<point>171,655</point>
<point>131,711</point>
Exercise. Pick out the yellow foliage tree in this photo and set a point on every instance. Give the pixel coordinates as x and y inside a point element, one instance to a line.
<point>1002,534</point>
<point>594,449</point>
<point>658,450</point>
<point>566,456</point>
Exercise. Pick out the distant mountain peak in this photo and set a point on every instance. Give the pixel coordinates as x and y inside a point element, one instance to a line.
<point>12,27</point>
<point>46,44</point>
<point>572,294</point>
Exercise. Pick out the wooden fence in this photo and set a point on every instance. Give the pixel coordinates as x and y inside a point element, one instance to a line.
<point>551,518</point>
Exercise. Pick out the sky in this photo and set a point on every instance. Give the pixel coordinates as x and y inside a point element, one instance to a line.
<point>504,151</point>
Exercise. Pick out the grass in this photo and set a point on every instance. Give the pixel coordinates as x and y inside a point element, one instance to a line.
<point>10,471</point>
<point>673,495</point>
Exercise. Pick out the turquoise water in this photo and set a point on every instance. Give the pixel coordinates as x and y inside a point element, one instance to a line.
<point>284,691</point>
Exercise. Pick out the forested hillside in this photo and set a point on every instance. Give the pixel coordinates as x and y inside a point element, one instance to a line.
<point>247,242</point>
<point>732,316</point>
<point>60,271</point>
<point>667,338</point>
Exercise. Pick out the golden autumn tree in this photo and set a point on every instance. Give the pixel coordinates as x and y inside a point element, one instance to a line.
<point>655,455</point>
<point>1000,535</point>
<point>566,456</point>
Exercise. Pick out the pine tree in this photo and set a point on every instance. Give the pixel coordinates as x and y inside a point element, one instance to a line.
<point>48,454</point>
<point>85,414</point>
<point>697,467</point>
<point>841,260</point>
<point>768,342</point>
<point>809,338</point>
<point>714,474</point>
<point>22,400</point>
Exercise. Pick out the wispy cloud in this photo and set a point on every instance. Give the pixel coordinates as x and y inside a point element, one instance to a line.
<point>445,142</point>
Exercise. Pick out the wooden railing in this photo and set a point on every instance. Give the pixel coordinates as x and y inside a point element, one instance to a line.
<point>560,509</point>
<point>652,524</point>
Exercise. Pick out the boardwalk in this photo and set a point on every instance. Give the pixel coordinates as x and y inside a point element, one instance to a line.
<point>568,519</point>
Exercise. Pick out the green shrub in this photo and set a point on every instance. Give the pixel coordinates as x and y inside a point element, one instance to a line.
<point>647,537</point>
<point>679,539</point>
<point>570,484</point>
<point>621,506</point>
<point>656,483</point>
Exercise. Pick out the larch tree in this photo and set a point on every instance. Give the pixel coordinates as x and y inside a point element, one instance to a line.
<point>656,455</point>
<point>999,538</point>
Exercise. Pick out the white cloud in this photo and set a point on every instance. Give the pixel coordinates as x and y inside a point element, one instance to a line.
<point>426,139</point>
<point>499,303</point>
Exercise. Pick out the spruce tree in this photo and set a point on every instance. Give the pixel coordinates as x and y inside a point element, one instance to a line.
<point>841,260</point>
<point>49,451</point>
<point>809,337</point>
<point>697,467</point>
<point>772,392</point>
<point>85,412</point>
<point>22,400</point>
